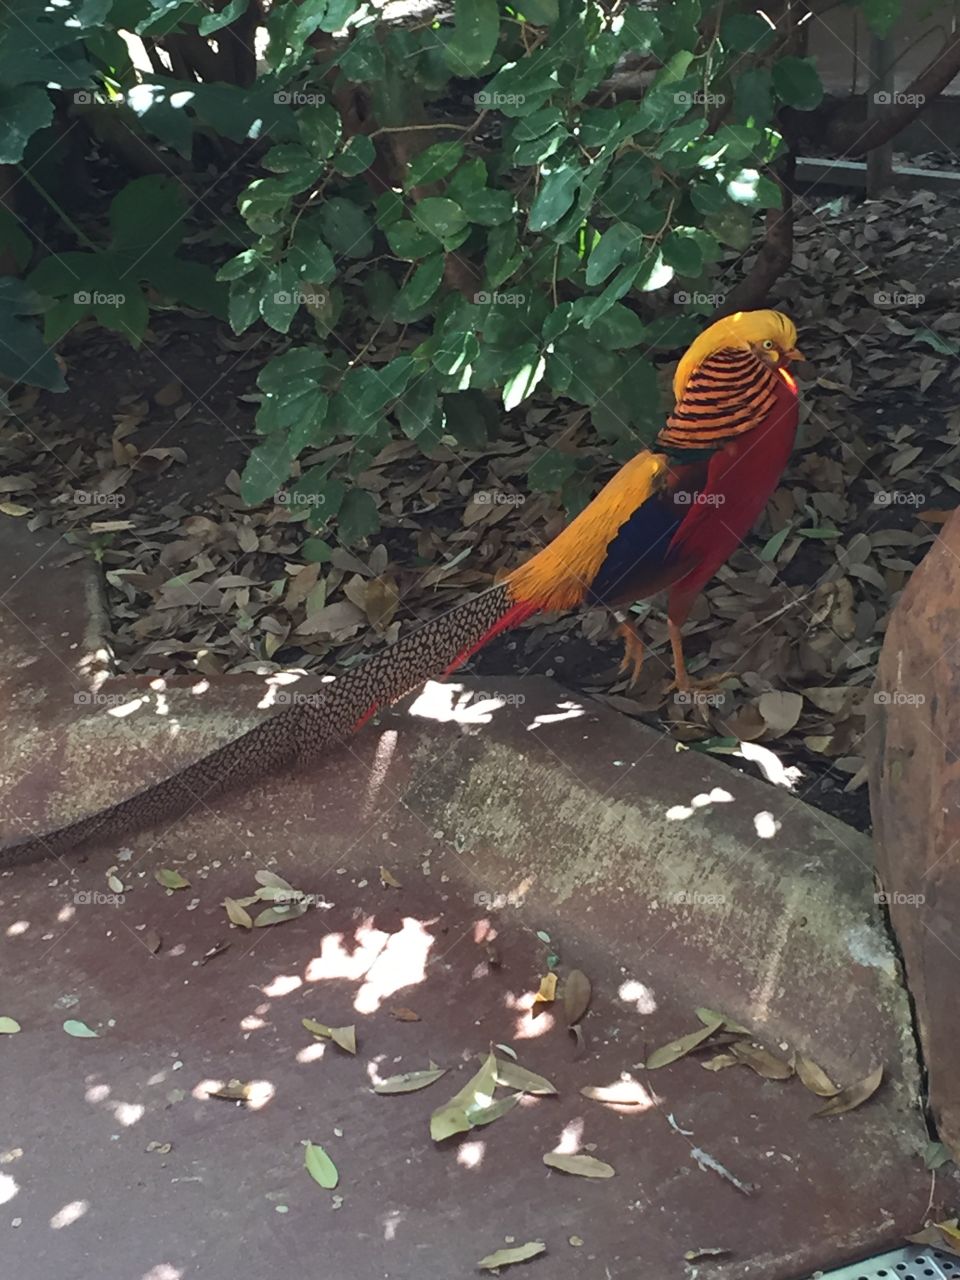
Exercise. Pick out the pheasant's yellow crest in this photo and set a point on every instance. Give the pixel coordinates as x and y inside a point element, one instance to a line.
<point>742,329</point>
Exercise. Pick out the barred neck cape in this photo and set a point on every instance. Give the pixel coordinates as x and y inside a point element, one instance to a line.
<point>730,393</point>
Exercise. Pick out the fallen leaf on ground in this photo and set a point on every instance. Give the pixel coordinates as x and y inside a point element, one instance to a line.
<point>170,879</point>
<point>622,1093</point>
<point>582,1165</point>
<point>388,880</point>
<point>345,1037</point>
<point>512,1076</point>
<point>9,1026</point>
<point>780,711</point>
<point>237,914</point>
<point>320,1167</point>
<point>476,1095</point>
<point>676,1049</point>
<point>762,1061</point>
<point>79,1029</point>
<point>409,1081</point>
<point>719,1062</point>
<point>487,1115</point>
<point>152,941</point>
<point>940,1235</point>
<point>936,1155</point>
<point>506,1257</point>
<point>404,1015</point>
<point>547,992</point>
<point>712,1017</point>
<point>233,1091</point>
<point>280,915</point>
<point>697,1255</point>
<point>854,1095</point>
<point>815,1078</point>
<point>576,996</point>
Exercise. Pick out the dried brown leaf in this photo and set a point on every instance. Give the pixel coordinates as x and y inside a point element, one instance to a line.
<point>855,1095</point>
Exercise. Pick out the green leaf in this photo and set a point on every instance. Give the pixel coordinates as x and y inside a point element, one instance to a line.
<point>241,265</point>
<point>422,286</point>
<point>170,879</point>
<point>682,252</point>
<point>521,88</point>
<point>419,410</point>
<point>745,33</point>
<point>129,316</point>
<point>614,245</point>
<point>441,217</point>
<point>244,305</point>
<point>752,188</point>
<point>943,345</point>
<point>79,1030</point>
<point>640,31</point>
<point>357,156</point>
<point>281,298</point>
<point>13,240</point>
<point>146,216</point>
<point>797,83</point>
<point>489,208</point>
<point>267,468</point>
<point>555,196</point>
<point>320,1167</point>
<point>753,96</point>
<point>23,111</point>
<point>229,13</point>
<point>24,357</point>
<point>618,328</point>
<point>523,383</point>
<point>358,517</point>
<point>310,254</point>
<point>469,47</point>
<point>346,227</point>
<point>319,126</point>
<point>9,1026</point>
<point>315,551</point>
<point>542,13</point>
<point>433,164</point>
<point>881,15</point>
<point>409,240</point>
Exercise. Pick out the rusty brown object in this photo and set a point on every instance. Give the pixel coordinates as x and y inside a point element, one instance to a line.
<point>915,800</point>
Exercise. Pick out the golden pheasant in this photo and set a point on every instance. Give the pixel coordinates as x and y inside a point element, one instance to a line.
<point>666,521</point>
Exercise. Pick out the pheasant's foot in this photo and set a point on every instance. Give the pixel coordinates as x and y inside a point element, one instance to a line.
<point>632,652</point>
<point>707,689</point>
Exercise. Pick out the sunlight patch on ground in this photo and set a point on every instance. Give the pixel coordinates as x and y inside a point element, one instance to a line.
<point>639,995</point>
<point>470,1154</point>
<point>567,711</point>
<point>282,985</point>
<point>69,1214</point>
<point>528,1027</point>
<point>571,1139</point>
<point>381,962</point>
<point>8,1188</point>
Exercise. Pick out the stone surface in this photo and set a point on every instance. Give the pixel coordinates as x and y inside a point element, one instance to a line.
<point>915,801</point>
<point>556,825</point>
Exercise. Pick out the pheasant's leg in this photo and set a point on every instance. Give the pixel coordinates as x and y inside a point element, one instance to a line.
<point>682,682</point>
<point>632,649</point>
<point>681,679</point>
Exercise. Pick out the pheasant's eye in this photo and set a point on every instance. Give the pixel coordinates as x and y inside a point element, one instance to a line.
<point>769,344</point>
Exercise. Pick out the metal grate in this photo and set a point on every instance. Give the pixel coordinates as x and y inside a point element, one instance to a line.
<point>910,1263</point>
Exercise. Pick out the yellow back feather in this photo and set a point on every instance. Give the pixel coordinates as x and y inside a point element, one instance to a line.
<point>742,329</point>
<point>558,576</point>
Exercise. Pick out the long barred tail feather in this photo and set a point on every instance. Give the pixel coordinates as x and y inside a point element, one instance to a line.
<point>299,734</point>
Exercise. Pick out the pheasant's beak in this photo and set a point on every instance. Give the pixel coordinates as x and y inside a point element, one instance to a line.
<point>794,354</point>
